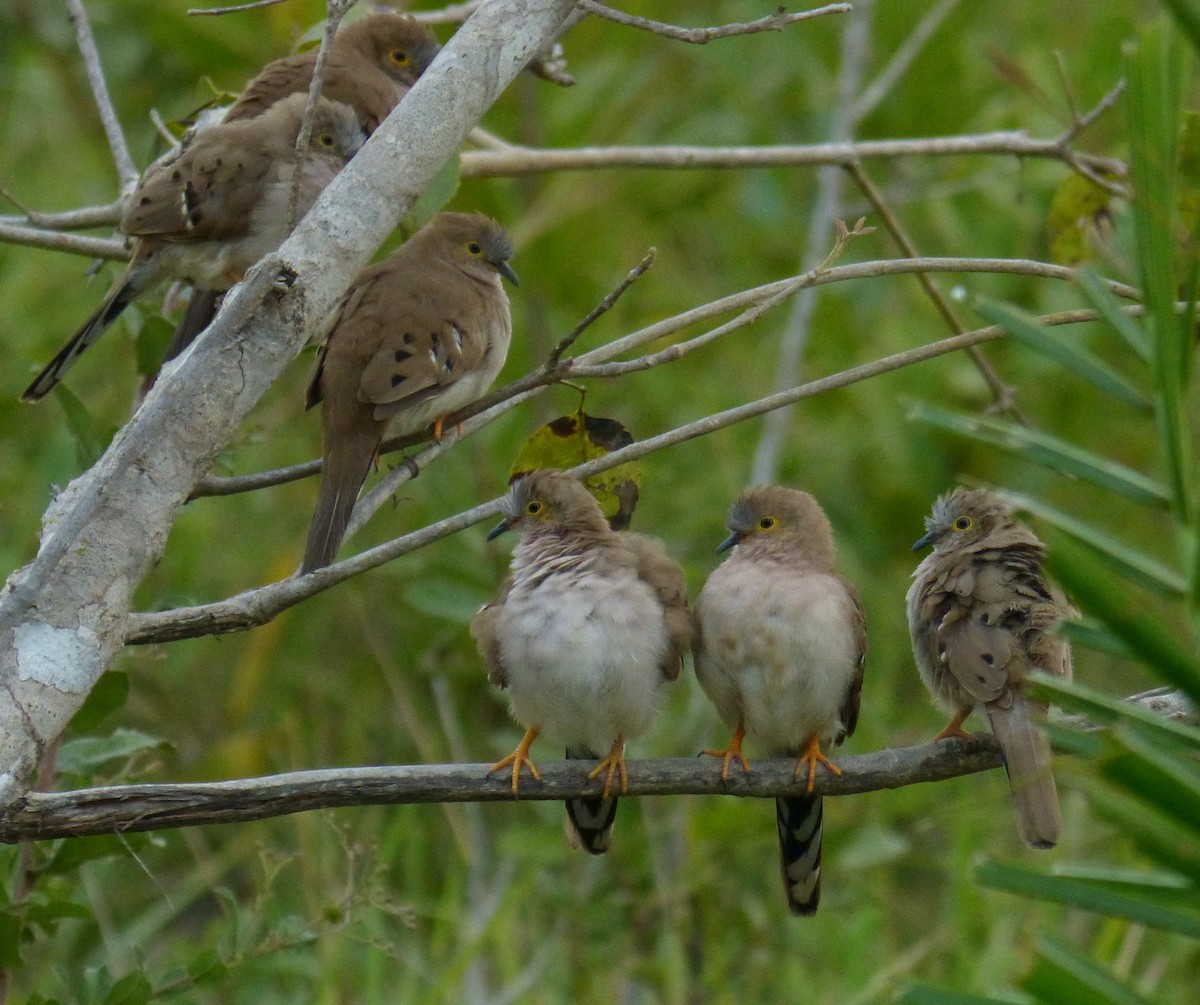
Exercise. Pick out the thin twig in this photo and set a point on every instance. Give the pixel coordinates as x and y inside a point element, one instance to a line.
<point>73,219</point>
<point>1064,80</point>
<point>93,247</point>
<point>455,13</point>
<point>1005,396</point>
<point>519,160</point>
<point>520,389</point>
<point>127,171</point>
<point>260,605</point>
<point>700,36</point>
<point>1092,172</point>
<point>148,807</point>
<point>335,10</point>
<point>603,307</point>
<point>235,9</point>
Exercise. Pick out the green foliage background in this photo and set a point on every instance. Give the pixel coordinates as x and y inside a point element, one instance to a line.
<point>482,903</point>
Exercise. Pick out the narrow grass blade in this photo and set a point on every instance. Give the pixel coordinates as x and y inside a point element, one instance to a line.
<point>1158,906</point>
<point>1049,451</point>
<point>1108,307</point>
<point>1092,588</point>
<point>1026,329</point>
<point>1062,974</point>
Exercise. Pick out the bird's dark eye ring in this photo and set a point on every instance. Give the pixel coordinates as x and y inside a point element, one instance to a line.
<point>325,140</point>
<point>475,248</point>
<point>963,523</point>
<point>533,508</point>
<point>766,523</point>
<point>398,56</point>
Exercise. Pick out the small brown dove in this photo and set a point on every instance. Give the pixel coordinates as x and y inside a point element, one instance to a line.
<point>982,619</point>
<point>418,335</point>
<point>372,63</point>
<point>211,213</point>
<point>584,633</point>
<point>780,651</point>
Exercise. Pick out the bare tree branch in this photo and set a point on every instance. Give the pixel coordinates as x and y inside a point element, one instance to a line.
<point>519,160</point>
<point>108,809</point>
<point>700,36</point>
<point>258,606</point>
<point>56,240</point>
<point>124,808</point>
<point>519,390</point>
<point>75,219</point>
<point>127,171</point>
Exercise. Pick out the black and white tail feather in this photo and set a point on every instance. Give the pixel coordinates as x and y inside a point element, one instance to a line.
<point>589,821</point>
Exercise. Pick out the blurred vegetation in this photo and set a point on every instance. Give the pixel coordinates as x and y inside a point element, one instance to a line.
<point>486,903</point>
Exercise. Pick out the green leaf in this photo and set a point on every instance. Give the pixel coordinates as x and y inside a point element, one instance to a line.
<point>571,440</point>
<point>132,989</point>
<point>206,967</point>
<point>86,753</point>
<point>1048,451</point>
<point>1090,586</point>
<point>1126,561</point>
<point>1147,903</point>
<point>1104,710</point>
<point>1061,974</point>
<point>1157,774</point>
<point>72,853</point>
<point>1093,635</point>
<point>10,938</point>
<point>1155,834</point>
<point>1028,330</point>
<point>91,436</point>
<point>1076,219</point>
<point>1155,74</point>
<point>1187,14</point>
<point>1108,306</point>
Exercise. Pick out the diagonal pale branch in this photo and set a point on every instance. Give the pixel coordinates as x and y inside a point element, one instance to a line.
<point>124,808</point>
<point>258,606</point>
<point>745,301</point>
<point>63,616</point>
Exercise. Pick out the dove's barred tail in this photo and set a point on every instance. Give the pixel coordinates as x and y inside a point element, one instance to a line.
<point>1026,753</point>
<point>88,333</point>
<point>342,475</point>
<point>590,821</point>
<point>800,832</point>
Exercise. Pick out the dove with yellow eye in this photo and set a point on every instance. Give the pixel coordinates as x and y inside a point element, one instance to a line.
<point>210,213</point>
<point>417,336</point>
<point>780,650</point>
<point>982,619</point>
